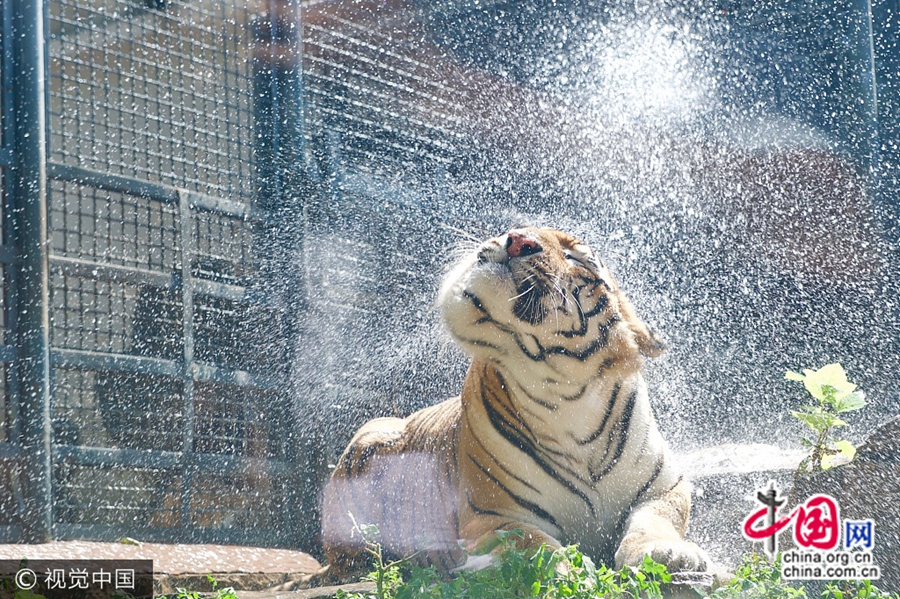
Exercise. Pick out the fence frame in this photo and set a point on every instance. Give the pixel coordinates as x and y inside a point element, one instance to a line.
<point>28,262</point>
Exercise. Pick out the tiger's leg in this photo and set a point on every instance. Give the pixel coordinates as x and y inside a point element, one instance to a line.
<point>656,528</point>
<point>397,475</point>
<point>355,495</point>
<point>480,534</point>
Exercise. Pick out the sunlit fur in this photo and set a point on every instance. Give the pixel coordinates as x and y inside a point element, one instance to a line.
<point>552,434</point>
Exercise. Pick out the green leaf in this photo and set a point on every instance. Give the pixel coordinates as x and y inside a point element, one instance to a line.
<point>816,418</point>
<point>830,375</point>
<point>850,402</point>
<point>486,544</point>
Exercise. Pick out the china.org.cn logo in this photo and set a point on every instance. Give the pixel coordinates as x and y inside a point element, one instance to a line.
<point>817,533</point>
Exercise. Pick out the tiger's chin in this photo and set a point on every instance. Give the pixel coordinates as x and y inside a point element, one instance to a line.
<point>488,294</point>
<point>460,299</point>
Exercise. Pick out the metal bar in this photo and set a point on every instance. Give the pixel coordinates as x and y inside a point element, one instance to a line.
<point>335,172</point>
<point>9,277</point>
<point>29,194</point>
<point>134,458</point>
<point>868,87</point>
<point>88,360</point>
<point>217,205</point>
<point>227,464</point>
<point>105,181</point>
<point>6,88</point>
<point>281,188</point>
<point>8,254</point>
<point>6,157</point>
<point>214,374</point>
<point>140,276</point>
<point>8,353</point>
<point>153,191</point>
<point>102,456</point>
<point>235,293</point>
<point>885,20</point>
<point>187,306</point>
<point>110,272</point>
<point>8,451</point>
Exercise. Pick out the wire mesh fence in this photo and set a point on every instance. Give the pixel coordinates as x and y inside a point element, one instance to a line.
<point>168,348</point>
<point>156,91</point>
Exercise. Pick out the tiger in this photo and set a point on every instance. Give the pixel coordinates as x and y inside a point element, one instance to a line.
<point>552,435</point>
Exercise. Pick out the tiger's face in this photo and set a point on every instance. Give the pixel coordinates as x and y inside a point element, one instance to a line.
<point>543,294</point>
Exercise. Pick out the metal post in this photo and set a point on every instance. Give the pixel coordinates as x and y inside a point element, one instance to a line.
<point>187,305</point>
<point>280,191</point>
<point>29,196</point>
<point>885,29</point>
<point>868,87</point>
<point>278,111</point>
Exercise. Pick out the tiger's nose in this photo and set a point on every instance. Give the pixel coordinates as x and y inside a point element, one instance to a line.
<point>519,245</point>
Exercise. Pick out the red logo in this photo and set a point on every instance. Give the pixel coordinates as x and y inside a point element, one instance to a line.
<point>817,522</point>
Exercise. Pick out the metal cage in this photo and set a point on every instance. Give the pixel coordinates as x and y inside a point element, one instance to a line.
<point>148,367</point>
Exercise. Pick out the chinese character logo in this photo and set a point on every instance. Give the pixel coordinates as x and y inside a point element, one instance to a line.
<point>770,499</point>
<point>125,579</point>
<point>78,578</point>
<point>859,533</point>
<point>816,522</point>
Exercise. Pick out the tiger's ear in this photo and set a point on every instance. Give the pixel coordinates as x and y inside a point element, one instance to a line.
<point>648,342</point>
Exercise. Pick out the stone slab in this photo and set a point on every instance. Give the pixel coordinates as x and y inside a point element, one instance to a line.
<point>244,568</point>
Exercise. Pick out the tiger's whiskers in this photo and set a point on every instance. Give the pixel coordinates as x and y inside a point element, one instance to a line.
<point>462,233</point>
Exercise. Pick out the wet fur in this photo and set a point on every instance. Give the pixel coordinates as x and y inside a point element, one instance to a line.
<point>552,434</point>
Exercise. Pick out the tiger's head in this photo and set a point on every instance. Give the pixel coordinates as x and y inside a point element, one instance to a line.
<point>544,295</point>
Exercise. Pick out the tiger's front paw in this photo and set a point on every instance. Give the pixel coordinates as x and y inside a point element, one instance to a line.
<point>677,556</point>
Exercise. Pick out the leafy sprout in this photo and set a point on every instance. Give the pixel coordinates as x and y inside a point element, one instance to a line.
<point>833,395</point>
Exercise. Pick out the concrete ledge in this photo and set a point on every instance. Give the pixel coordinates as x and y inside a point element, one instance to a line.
<point>244,568</point>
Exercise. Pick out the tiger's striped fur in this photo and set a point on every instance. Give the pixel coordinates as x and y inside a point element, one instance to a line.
<point>553,432</point>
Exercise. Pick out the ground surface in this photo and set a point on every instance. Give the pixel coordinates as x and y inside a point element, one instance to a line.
<point>246,568</point>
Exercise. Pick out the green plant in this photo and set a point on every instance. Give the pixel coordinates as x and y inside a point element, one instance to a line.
<point>833,395</point>
<point>757,578</point>
<point>517,573</point>
<point>567,573</point>
<point>855,589</point>
<point>223,593</point>
<point>385,575</point>
<point>544,573</point>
